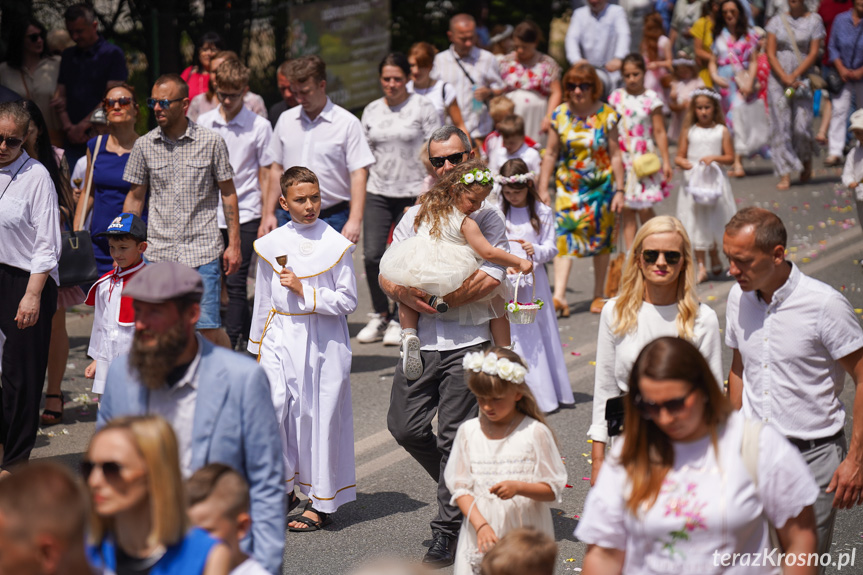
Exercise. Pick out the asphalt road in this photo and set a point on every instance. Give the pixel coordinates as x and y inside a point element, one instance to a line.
<point>395,499</point>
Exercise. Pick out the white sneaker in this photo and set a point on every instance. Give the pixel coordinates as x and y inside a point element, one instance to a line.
<point>412,362</point>
<point>374,330</point>
<point>393,334</point>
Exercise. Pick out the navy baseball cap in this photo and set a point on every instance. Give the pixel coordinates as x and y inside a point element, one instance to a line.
<point>127,224</point>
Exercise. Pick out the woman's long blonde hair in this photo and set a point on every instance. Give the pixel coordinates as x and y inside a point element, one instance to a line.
<point>631,295</point>
<point>156,443</point>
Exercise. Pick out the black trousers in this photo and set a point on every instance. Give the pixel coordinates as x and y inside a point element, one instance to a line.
<point>25,359</point>
<point>381,212</point>
<point>239,316</point>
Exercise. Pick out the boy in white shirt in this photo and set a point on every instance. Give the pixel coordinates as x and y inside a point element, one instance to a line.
<point>114,317</point>
<point>219,503</point>
<point>513,145</point>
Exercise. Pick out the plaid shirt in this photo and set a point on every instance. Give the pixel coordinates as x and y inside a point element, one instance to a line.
<point>183,178</point>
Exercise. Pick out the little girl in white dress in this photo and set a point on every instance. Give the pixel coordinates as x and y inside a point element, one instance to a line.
<point>705,141</point>
<point>504,469</point>
<point>446,250</point>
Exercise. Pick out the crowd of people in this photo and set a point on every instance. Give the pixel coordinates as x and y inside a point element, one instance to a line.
<point>469,174</point>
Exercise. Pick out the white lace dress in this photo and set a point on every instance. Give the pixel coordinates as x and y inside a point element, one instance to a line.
<point>476,463</point>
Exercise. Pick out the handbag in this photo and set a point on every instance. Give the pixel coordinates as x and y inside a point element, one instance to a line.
<point>77,263</point>
<point>615,267</point>
<point>815,79</point>
<point>614,414</point>
<point>751,127</point>
<point>834,82</point>
<point>706,183</point>
<point>643,165</point>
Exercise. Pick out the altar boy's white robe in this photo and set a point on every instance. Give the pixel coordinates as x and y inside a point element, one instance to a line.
<point>304,347</point>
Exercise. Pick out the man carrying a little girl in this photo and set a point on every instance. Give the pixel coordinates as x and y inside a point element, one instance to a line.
<point>442,388</point>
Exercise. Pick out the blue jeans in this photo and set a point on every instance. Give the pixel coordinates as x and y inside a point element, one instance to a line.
<point>211,274</point>
<point>336,221</point>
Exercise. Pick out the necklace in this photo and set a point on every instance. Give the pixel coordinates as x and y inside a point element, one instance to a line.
<point>487,431</point>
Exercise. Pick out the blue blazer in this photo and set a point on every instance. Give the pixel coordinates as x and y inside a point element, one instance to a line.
<point>234,424</point>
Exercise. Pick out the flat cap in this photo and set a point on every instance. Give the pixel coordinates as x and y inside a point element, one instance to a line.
<point>164,281</point>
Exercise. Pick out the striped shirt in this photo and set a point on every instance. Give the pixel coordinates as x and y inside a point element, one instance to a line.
<point>182,178</point>
<point>484,71</point>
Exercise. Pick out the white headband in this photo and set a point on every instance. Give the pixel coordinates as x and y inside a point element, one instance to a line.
<point>516,179</point>
<point>706,92</point>
<point>490,364</point>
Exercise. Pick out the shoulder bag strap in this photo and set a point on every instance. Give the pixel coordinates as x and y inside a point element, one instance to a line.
<point>458,61</point>
<point>791,37</point>
<point>89,185</point>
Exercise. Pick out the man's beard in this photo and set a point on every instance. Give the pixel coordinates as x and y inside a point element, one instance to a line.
<point>153,364</point>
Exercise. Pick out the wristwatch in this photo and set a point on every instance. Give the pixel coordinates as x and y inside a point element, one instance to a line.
<point>440,305</point>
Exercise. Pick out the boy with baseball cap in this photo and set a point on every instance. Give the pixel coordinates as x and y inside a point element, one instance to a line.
<point>114,318</point>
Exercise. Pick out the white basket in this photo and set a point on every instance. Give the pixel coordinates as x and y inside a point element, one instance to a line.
<point>525,313</point>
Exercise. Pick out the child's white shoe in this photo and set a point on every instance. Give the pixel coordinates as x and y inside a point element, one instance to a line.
<point>412,363</point>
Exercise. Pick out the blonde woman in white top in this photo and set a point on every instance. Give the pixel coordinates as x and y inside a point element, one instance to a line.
<point>657,298</point>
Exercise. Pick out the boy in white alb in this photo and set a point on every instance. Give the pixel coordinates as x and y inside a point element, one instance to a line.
<point>247,136</point>
<point>114,318</point>
<point>511,130</point>
<point>305,288</point>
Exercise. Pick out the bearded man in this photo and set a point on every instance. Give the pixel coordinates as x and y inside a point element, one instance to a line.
<point>217,401</point>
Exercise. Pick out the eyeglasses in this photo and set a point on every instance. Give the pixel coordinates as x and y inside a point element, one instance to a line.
<point>110,469</point>
<point>228,95</point>
<point>124,102</point>
<point>454,159</point>
<point>672,258</point>
<point>584,86</point>
<point>11,143</point>
<point>34,37</point>
<point>164,102</point>
<point>650,410</point>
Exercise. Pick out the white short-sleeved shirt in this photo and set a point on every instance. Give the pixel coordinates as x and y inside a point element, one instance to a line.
<point>616,353</point>
<point>484,70</point>
<point>792,378</point>
<point>397,136</point>
<point>440,94</point>
<point>332,146</point>
<point>249,567</point>
<point>247,136</point>
<point>708,506</point>
<point>448,335</point>
<point>598,38</point>
<point>499,156</point>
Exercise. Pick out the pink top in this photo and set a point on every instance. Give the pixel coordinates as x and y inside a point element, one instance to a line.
<point>198,82</point>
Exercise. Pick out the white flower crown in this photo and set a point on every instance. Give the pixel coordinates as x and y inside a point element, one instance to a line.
<point>478,176</point>
<point>706,92</point>
<point>492,365</point>
<point>516,179</point>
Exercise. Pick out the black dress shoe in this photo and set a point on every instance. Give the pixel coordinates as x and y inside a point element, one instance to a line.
<point>442,551</point>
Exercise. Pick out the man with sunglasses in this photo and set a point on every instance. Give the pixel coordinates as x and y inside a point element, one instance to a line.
<point>599,33</point>
<point>186,169</point>
<point>794,339</point>
<point>442,388</point>
<point>218,402</point>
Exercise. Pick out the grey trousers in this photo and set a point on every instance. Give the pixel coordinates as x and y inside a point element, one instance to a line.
<point>823,461</point>
<point>441,389</point>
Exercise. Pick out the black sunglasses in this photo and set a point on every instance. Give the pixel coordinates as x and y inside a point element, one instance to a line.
<point>124,101</point>
<point>652,256</point>
<point>110,469</point>
<point>228,95</point>
<point>584,87</point>
<point>650,410</point>
<point>164,102</point>
<point>454,159</point>
<point>34,37</point>
<point>11,143</point>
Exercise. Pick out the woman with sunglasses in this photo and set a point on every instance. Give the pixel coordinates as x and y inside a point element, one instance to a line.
<point>109,189</point>
<point>197,76</point>
<point>138,522</point>
<point>584,154</point>
<point>657,298</point>
<point>693,484</point>
<point>31,72</point>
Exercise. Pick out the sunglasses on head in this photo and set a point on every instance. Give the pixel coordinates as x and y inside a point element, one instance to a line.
<point>124,101</point>
<point>164,102</point>
<point>34,37</point>
<point>650,410</point>
<point>110,469</point>
<point>584,87</point>
<point>11,143</point>
<point>454,159</point>
<point>652,256</point>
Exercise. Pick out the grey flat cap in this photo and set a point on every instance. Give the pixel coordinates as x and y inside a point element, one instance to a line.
<point>164,281</point>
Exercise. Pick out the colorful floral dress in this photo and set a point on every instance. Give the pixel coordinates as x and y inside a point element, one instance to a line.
<point>584,221</point>
<point>529,88</point>
<point>732,56</point>
<point>636,138</point>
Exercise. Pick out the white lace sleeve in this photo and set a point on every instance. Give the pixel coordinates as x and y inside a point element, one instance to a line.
<point>549,466</point>
<point>457,475</point>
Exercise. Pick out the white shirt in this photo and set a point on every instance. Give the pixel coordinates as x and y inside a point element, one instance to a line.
<point>499,156</point>
<point>176,405</point>
<point>598,38</point>
<point>249,567</point>
<point>853,172</point>
<point>484,70</point>
<point>29,218</point>
<point>790,349</point>
<point>332,146</point>
<point>449,335</point>
<point>708,504</point>
<point>441,95</point>
<point>247,136</point>
<point>615,353</point>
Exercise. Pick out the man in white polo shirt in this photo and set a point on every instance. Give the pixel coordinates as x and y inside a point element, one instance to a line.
<point>247,136</point>
<point>328,140</point>
<point>599,33</point>
<point>475,74</point>
<point>794,338</point>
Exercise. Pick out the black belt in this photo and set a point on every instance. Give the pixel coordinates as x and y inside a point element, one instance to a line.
<point>808,444</point>
<point>334,209</point>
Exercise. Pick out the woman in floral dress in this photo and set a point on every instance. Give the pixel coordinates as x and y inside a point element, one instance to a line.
<point>533,81</point>
<point>585,159</point>
<point>735,51</point>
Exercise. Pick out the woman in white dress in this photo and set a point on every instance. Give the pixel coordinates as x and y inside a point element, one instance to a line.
<point>657,298</point>
<point>441,94</point>
<point>693,484</point>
